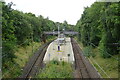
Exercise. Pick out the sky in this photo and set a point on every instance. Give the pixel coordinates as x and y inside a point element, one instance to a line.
<point>56,10</point>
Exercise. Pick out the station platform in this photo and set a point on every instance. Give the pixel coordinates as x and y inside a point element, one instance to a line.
<point>65,53</point>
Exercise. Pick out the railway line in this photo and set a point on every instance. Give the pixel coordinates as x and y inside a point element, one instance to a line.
<point>83,69</point>
<point>35,63</point>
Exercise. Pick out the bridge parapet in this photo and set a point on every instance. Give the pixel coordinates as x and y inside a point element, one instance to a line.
<point>56,32</point>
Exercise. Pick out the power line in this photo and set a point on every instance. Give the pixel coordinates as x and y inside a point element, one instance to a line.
<point>22,43</point>
<point>102,50</point>
<point>94,66</point>
<point>10,69</point>
<point>106,52</point>
<point>17,46</point>
<point>101,68</point>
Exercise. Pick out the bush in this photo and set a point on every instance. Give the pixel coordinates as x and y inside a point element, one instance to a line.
<point>87,51</point>
<point>56,69</point>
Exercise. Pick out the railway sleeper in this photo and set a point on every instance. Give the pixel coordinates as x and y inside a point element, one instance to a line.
<point>84,73</point>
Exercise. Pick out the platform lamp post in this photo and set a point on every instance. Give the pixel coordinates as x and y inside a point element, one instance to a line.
<point>58,39</point>
<point>64,34</point>
<point>53,41</point>
<point>32,42</point>
<point>58,31</point>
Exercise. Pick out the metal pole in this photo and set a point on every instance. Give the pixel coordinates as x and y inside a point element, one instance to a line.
<point>32,43</point>
<point>53,41</point>
<point>58,31</point>
<point>58,34</point>
<point>49,57</point>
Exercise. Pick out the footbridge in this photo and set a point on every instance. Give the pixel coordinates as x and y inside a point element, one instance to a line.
<point>56,32</point>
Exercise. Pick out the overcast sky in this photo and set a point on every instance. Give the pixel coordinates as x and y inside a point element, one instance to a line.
<point>56,10</point>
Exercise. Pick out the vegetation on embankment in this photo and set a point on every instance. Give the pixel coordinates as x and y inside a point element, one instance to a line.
<point>14,69</point>
<point>99,25</point>
<point>56,69</point>
<point>20,31</point>
<point>109,65</point>
<point>22,34</point>
<point>99,33</point>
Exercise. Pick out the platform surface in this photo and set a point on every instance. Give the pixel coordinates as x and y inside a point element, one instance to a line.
<point>52,52</point>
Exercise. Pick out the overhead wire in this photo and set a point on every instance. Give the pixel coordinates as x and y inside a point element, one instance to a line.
<point>17,46</point>
<point>10,69</point>
<point>101,68</point>
<point>97,63</point>
<point>106,52</point>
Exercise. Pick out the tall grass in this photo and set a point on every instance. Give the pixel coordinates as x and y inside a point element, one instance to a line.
<point>14,69</point>
<point>109,65</point>
<point>56,69</point>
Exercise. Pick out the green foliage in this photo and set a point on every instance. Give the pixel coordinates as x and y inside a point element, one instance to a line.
<point>56,69</point>
<point>103,47</point>
<point>88,51</point>
<point>20,29</point>
<point>64,26</point>
<point>109,65</point>
<point>12,69</point>
<point>99,25</point>
<point>8,37</point>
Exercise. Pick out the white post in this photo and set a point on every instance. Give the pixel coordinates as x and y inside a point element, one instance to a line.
<point>58,39</point>
<point>58,31</point>
<point>58,34</point>
<point>53,41</point>
<point>49,57</point>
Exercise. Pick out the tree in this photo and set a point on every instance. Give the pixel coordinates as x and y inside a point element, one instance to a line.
<point>99,26</point>
<point>8,37</point>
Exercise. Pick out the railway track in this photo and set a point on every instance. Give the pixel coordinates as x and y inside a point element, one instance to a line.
<point>35,63</point>
<point>83,69</point>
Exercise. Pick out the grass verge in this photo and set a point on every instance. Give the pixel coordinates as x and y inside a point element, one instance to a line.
<point>56,69</point>
<point>22,56</point>
<point>109,65</point>
<point>15,69</point>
